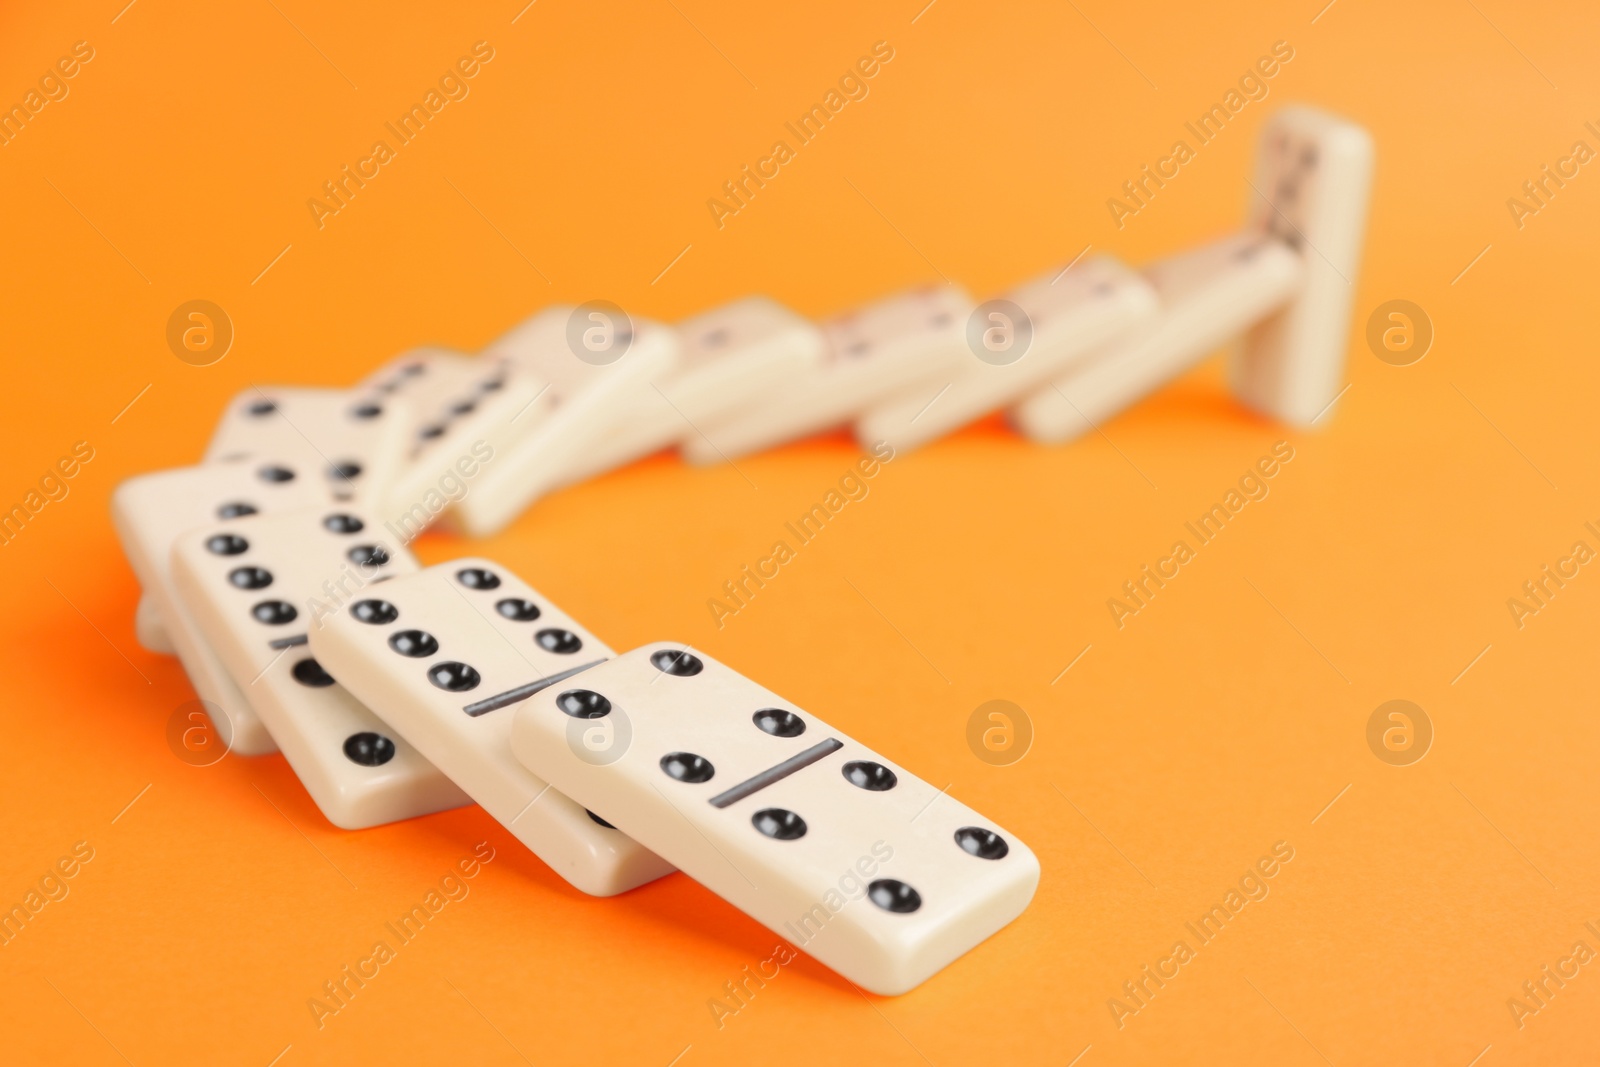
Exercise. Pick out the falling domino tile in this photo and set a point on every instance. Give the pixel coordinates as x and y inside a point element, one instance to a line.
<point>1312,179</point>
<point>1068,314</point>
<point>421,377</point>
<point>475,408</point>
<point>587,367</point>
<point>733,357</point>
<point>870,354</point>
<point>444,656</point>
<point>1208,296</point>
<point>353,441</point>
<point>152,510</point>
<point>257,586</point>
<point>870,869</point>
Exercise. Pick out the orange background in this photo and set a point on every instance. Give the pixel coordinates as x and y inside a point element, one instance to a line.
<point>1223,718</point>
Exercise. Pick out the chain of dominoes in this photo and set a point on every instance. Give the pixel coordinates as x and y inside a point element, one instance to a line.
<point>277,569</point>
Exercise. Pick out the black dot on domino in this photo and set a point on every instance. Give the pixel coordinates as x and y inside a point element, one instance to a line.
<point>583,704</point>
<point>466,407</point>
<point>778,823</point>
<point>676,661</point>
<point>598,819</point>
<point>687,767</point>
<point>235,510</point>
<point>369,749</point>
<point>517,610</point>
<point>274,612</point>
<point>260,408</point>
<point>984,844</point>
<point>250,577</point>
<point>493,385</point>
<point>345,469</point>
<point>454,677</point>
<point>715,339</point>
<point>368,555</point>
<point>428,433</point>
<point>478,578</point>
<point>418,644</point>
<point>779,723</point>
<point>275,474</point>
<point>561,642</point>
<point>411,370</point>
<point>341,523</point>
<point>865,774</point>
<point>227,545</point>
<point>374,612</point>
<point>891,894</point>
<point>366,411</point>
<point>309,672</point>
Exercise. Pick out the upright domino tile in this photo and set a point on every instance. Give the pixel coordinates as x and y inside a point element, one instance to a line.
<point>1312,180</point>
<point>257,586</point>
<point>151,511</point>
<point>354,442</point>
<point>591,361</point>
<point>1208,295</point>
<point>734,359</point>
<point>832,846</point>
<point>1066,315</point>
<point>889,346</point>
<point>444,656</point>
